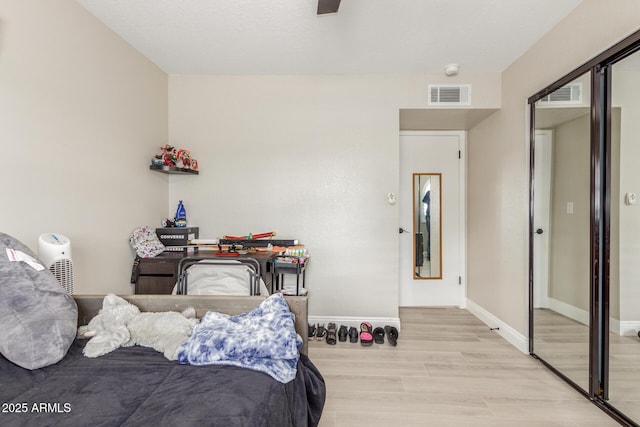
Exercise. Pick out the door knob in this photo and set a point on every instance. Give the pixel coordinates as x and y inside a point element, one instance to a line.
<point>539,231</point>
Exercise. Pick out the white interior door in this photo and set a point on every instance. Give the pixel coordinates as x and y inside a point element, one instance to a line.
<point>431,153</point>
<point>541,211</point>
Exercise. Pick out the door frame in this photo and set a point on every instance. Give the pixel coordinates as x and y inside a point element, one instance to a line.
<point>462,203</point>
<point>543,151</point>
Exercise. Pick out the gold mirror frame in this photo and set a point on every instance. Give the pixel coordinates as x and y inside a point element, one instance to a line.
<point>427,226</point>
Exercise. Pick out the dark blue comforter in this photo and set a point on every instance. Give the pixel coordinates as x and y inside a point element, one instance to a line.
<point>137,386</point>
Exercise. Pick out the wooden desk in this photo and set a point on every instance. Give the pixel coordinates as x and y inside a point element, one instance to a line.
<point>158,275</point>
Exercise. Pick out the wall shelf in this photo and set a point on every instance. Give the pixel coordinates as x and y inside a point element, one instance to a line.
<point>173,170</point>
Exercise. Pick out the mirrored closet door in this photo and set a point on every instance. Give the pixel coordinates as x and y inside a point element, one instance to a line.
<point>584,265</point>
<point>623,389</point>
<point>562,191</point>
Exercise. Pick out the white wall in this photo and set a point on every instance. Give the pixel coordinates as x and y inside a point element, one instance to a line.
<point>498,156</point>
<point>312,158</point>
<point>626,88</point>
<point>569,272</point>
<point>81,113</point>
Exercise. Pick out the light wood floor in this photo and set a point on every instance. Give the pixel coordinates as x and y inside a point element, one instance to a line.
<point>448,369</point>
<point>564,343</point>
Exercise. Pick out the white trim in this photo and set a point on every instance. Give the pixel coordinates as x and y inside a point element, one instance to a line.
<point>618,327</point>
<point>514,337</point>
<point>614,326</point>
<point>463,220</point>
<point>625,327</point>
<point>570,311</point>
<point>355,321</point>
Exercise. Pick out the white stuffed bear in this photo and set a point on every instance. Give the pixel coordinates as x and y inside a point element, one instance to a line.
<point>121,324</point>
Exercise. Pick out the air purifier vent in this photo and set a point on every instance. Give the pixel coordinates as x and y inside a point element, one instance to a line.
<point>449,94</point>
<point>54,250</point>
<point>63,272</point>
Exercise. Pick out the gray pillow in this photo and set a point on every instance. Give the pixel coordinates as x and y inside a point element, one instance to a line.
<point>39,320</point>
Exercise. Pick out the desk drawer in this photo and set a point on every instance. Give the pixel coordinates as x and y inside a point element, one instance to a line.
<point>155,285</point>
<point>157,267</point>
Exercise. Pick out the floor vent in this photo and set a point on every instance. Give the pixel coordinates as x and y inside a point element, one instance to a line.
<point>569,94</point>
<point>449,94</point>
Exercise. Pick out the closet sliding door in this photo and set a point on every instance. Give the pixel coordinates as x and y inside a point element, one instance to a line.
<point>562,229</point>
<point>622,355</point>
<point>584,265</point>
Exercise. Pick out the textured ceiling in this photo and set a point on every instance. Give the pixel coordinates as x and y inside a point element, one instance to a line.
<point>365,36</point>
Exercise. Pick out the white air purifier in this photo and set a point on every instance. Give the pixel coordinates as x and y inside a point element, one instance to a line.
<point>54,250</point>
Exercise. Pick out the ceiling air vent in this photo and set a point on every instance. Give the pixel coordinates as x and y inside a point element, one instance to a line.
<point>569,94</point>
<point>449,94</point>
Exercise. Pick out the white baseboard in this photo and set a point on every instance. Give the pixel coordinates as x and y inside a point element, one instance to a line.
<point>615,326</point>
<point>570,311</point>
<point>622,328</point>
<point>512,336</point>
<point>628,327</point>
<point>355,321</point>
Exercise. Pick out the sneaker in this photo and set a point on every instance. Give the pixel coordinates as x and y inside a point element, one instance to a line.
<point>321,332</point>
<point>312,331</point>
<point>331,334</point>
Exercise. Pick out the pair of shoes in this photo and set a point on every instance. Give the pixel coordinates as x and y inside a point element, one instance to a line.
<point>331,334</point>
<point>321,332</point>
<point>312,331</point>
<point>378,335</point>
<point>366,339</point>
<point>342,333</point>
<point>353,335</point>
<point>392,334</point>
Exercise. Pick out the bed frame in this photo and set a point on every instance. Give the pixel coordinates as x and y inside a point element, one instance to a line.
<point>90,305</point>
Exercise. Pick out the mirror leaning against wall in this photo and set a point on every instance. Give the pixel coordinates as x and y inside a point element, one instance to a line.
<point>427,229</point>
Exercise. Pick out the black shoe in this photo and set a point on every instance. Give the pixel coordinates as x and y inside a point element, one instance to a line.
<point>342,333</point>
<point>331,334</point>
<point>353,334</point>
<point>378,335</point>
<point>321,333</point>
<point>312,331</point>
<point>392,335</point>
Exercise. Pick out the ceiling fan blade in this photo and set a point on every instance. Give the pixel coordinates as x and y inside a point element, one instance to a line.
<point>328,6</point>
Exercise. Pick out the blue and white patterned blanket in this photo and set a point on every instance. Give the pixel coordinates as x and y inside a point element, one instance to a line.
<point>263,339</point>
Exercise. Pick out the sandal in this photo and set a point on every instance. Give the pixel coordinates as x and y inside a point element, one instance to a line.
<point>331,334</point>
<point>321,332</point>
<point>366,339</point>
<point>392,335</point>
<point>353,334</point>
<point>312,331</point>
<point>378,335</point>
<point>342,333</point>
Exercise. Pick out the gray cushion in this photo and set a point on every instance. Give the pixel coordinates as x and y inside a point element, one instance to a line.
<point>39,320</point>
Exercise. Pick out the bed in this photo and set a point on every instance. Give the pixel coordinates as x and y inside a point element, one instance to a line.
<point>135,386</point>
